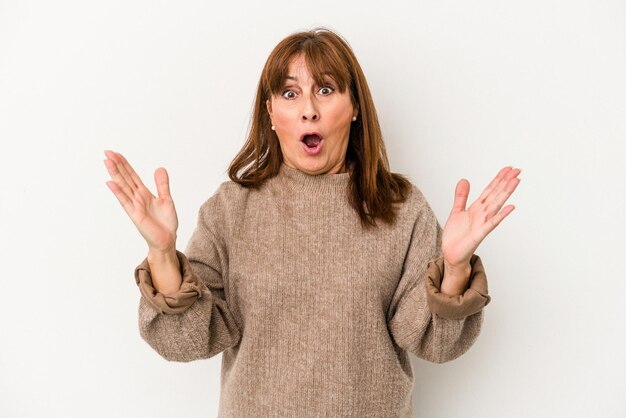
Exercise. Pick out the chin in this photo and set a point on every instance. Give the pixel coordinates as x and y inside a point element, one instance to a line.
<point>311,167</point>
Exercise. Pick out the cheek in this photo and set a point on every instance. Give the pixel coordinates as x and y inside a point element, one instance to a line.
<point>282,118</point>
<point>286,126</point>
<point>283,114</point>
<point>341,115</point>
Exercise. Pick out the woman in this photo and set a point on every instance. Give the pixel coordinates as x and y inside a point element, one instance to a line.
<point>314,270</point>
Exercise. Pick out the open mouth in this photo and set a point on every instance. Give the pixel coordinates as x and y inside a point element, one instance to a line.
<point>311,139</point>
<point>312,143</point>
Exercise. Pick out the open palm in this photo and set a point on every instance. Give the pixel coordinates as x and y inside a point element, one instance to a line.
<point>466,228</point>
<point>154,217</point>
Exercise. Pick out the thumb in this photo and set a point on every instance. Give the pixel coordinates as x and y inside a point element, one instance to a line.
<point>162,182</point>
<point>460,195</point>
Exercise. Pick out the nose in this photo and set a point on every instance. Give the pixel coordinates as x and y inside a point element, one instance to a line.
<point>310,111</point>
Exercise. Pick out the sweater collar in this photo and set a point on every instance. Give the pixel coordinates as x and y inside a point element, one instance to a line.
<point>326,184</point>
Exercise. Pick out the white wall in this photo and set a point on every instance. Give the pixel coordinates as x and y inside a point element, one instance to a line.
<point>462,89</point>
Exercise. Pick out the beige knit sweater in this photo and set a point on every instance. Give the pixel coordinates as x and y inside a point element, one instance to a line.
<point>313,315</point>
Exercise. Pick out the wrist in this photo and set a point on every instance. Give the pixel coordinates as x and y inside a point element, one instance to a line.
<point>461,269</point>
<point>162,256</point>
<point>455,278</point>
<point>165,271</point>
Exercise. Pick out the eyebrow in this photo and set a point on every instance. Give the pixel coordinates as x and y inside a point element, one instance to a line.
<point>289,77</point>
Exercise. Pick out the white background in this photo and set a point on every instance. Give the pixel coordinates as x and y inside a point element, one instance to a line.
<point>462,90</point>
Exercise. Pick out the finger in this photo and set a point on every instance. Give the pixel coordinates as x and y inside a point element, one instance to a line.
<point>162,182</point>
<point>494,221</point>
<point>117,177</point>
<point>498,201</point>
<point>126,203</point>
<point>119,159</point>
<point>131,172</point>
<point>460,195</point>
<point>493,184</point>
<point>504,183</point>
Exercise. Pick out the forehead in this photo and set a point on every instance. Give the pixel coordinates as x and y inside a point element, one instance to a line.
<point>298,65</point>
<point>311,67</point>
<point>298,70</point>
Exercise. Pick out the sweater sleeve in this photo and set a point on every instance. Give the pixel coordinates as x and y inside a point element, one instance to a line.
<point>194,322</point>
<point>434,326</point>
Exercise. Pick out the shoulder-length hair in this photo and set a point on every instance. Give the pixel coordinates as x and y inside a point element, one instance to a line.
<point>373,188</point>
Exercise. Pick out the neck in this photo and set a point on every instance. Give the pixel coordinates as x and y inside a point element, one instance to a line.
<point>327,183</point>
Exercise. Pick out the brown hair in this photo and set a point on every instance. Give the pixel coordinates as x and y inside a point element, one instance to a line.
<point>373,188</point>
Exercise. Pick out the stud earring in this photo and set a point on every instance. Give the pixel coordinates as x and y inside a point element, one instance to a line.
<point>353,118</point>
<point>273,128</point>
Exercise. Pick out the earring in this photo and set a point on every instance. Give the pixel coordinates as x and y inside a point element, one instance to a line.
<point>353,118</point>
<point>273,128</point>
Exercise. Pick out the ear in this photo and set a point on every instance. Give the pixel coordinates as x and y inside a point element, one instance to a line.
<point>356,110</point>
<point>268,105</point>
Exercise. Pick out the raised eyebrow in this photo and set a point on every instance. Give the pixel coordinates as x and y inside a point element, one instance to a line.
<point>289,77</point>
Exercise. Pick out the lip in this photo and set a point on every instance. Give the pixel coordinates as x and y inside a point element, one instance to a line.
<point>314,151</point>
<point>310,133</point>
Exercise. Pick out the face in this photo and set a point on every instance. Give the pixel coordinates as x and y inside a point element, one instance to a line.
<point>301,107</point>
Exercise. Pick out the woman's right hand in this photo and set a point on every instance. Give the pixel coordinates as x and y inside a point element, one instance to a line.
<point>154,217</point>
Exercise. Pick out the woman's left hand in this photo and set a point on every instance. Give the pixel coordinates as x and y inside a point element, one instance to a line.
<point>466,228</point>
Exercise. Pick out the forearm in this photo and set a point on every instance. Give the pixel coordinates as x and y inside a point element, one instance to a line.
<point>452,322</point>
<point>165,271</point>
<point>202,331</point>
<point>455,279</point>
<point>192,322</point>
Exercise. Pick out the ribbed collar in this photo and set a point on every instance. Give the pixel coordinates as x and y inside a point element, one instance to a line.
<point>326,184</point>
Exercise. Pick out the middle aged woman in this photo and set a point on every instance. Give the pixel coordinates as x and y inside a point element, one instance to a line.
<point>314,269</point>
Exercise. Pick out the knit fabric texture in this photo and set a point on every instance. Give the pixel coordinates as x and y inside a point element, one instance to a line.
<point>313,314</point>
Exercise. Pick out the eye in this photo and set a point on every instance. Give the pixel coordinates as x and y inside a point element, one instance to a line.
<point>288,94</point>
<point>326,90</point>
